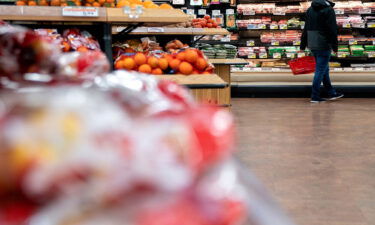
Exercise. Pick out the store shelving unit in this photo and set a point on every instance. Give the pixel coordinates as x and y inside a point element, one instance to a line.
<point>276,77</point>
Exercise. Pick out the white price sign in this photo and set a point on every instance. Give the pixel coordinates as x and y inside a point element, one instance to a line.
<point>346,25</point>
<point>80,11</point>
<point>339,11</point>
<point>252,55</point>
<point>276,55</point>
<point>290,55</point>
<point>249,13</point>
<point>371,54</point>
<point>359,69</point>
<point>365,11</point>
<point>250,43</point>
<point>257,69</point>
<point>190,11</point>
<point>274,27</point>
<point>297,42</point>
<point>359,25</point>
<point>301,54</point>
<point>342,54</point>
<point>353,42</point>
<point>263,55</point>
<point>283,26</point>
<point>229,11</point>
<point>262,26</point>
<point>202,12</point>
<point>216,12</point>
<point>279,13</point>
<point>225,39</point>
<point>155,30</point>
<point>275,43</point>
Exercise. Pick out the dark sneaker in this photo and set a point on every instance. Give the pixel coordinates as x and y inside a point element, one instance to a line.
<point>317,100</point>
<point>335,96</point>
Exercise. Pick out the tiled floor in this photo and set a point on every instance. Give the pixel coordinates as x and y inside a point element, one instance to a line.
<point>317,160</point>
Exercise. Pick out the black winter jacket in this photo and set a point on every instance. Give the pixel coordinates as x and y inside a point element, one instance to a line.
<point>320,32</point>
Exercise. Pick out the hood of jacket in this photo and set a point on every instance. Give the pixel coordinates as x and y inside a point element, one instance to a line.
<point>321,4</point>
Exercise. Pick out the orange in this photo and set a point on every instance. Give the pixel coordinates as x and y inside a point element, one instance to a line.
<point>78,3</point>
<point>157,71</point>
<point>201,64</point>
<point>145,68</point>
<point>88,4</point>
<point>122,3</point>
<point>168,58</point>
<point>128,63</point>
<point>110,1</point>
<point>119,64</point>
<point>43,3</point>
<point>165,6</point>
<point>96,4</point>
<point>64,4</point>
<point>191,56</point>
<point>146,4</point>
<point>140,58</point>
<point>32,3</point>
<point>195,72</point>
<point>163,63</point>
<point>174,64</point>
<point>153,6</point>
<point>20,3</point>
<point>101,2</point>
<point>206,72</point>
<point>185,68</point>
<point>153,62</point>
<point>181,56</point>
<point>55,2</point>
<point>90,1</point>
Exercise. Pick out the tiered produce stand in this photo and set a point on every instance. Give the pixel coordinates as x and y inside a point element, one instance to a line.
<point>113,21</point>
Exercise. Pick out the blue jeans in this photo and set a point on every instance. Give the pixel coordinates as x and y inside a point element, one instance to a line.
<point>321,73</point>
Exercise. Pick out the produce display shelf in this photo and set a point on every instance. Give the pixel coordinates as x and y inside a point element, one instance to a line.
<point>302,13</point>
<point>204,88</point>
<point>294,84</point>
<point>172,31</point>
<point>167,16</point>
<point>42,13</point>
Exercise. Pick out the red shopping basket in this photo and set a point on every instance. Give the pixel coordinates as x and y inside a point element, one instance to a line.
<point>303,65</point>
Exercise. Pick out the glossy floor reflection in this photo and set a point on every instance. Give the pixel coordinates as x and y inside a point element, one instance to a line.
<point>317,160</point>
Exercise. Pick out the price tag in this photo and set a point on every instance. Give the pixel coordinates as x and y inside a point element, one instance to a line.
<point>348,69</point>
<point>252,55</point>
<point>353,42</point>
<point>359,69</point>
<point>346,25</point>
<point>225,39</point>
<point>258,69</point>
<point>229,11</point>
<point>337,69</point>
<point>249,13</point>
<point>190,11</point>
<point>250,43</point>
<point>263,55</point>
<point>275,43</point>
<point>365,11</point>
<point>202,12</point>
<point>275,69</point>
<point>274,27</point>
<point>339,11</point>
<point>359,25</point>
<point>342,54</point>
<point>276,55</point>
<point>371,25</point>
<point>279,13</point>
<point>283,26</point>
<point>297,42</point>
<point>262,26</point>
<point>155,30</point>
<point>290,55</point>
<point>80,11</point>
<point>216,12</point>
<point>178,2</point>
<point>371,54</point>
<point>301,54</point>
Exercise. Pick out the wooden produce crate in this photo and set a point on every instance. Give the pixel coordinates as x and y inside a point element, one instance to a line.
<point>204,88</point>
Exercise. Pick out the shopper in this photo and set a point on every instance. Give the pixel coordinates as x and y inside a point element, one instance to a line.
<point>320,36</point>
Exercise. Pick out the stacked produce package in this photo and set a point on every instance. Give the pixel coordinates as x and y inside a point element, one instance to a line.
<point>114,148</point>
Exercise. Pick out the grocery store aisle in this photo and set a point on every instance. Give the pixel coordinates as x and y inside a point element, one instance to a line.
<point>317,160</point>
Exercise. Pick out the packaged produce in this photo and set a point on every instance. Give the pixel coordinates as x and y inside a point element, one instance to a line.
<point>205,22</point>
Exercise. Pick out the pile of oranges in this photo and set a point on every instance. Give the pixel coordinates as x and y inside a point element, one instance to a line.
<point>190,61</point>
<point>95,3</point>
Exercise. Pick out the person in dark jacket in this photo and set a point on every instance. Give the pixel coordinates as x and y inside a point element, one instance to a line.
<point>320,36</point>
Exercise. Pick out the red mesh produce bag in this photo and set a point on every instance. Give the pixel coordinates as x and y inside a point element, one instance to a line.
<point>303,65</point>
